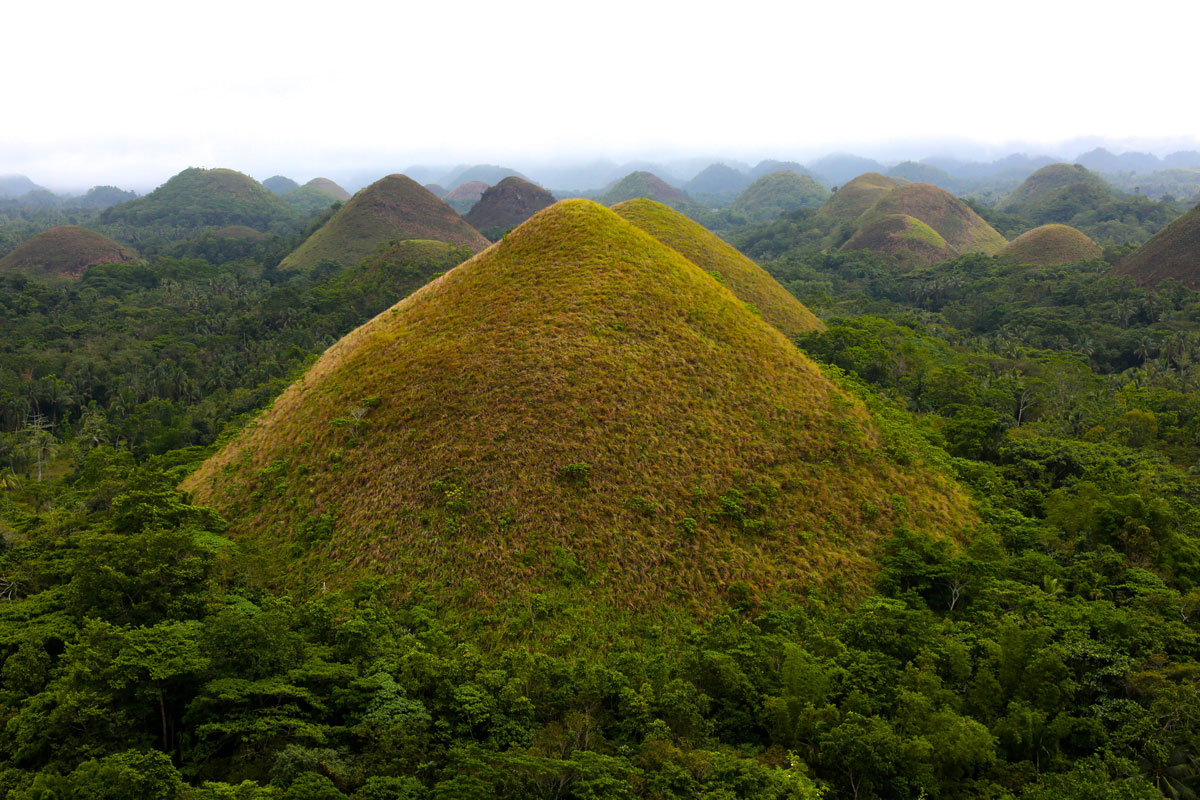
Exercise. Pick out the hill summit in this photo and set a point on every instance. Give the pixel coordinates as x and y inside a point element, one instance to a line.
<point>777,193</point>
<point>1173,252</point>
<point>644,184</point>
<point>1052,179</point>
<point>578,418</point>
<point>392,208</point>
<point>910,240</point>
<point>850,201</point>
<point>196,199</point>
<point>1051,246</point>
<point>960,227</point>
<point>66,251</point>
<point>506,205</point>
<point>329,187</point>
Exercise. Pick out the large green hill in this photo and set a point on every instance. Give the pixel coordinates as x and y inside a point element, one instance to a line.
<point>910,240</point>
<point>65,251</point>
<point>777,193</point>
<point>850,201</point>
<point>578,418</point>
<point>1051,182</point>
<point>644,184</point>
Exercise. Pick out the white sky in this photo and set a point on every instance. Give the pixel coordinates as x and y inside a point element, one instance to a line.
<point>132,92</point>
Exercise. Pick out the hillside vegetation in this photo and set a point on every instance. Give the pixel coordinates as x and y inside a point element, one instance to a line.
<point>777,193</point>
<point>1051,246</point>
<point>1172,253</point>
<point>963,229</point>
<point>910,240</point>
<point>66,251</point>
<point>644,184</point>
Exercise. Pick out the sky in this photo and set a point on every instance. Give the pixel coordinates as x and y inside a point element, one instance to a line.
<point>129,93</point>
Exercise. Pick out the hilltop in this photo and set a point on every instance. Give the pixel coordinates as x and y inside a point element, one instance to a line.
<point>316,196</point>
<point>280,184</point>
<point>436,189</point>
<point>465,195</point>
<point>395,207</point>
<point>65,251</point>
<point>506,205</point>
<point>850,201</point>
<point>717,181</point>
<point>916,172</point>
<point>644,184</point>
<point>961,228</point>
<point>910,240</point>
<point>16,186</point>
<point>749,282</point>
<point>578,418</point>
<point>842,167</point>
<point>491,174</point>
<point>777,193</point>
<point>767,166</point>
<point>1042,186</point>
<point>1051,246</point>
<point>1174,252</point>
<point>101,197</point>
<point>200,198</point>
<point>329,187</point>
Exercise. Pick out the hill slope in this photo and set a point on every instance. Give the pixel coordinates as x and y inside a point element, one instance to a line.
<point>717,181</point>
<point>506,205</point>
<point>579,413</point>
<point>1174,252</point>
<point>913,242</point>
<point>395,207</point>
<point>644,184</point>
<point>329,187</point>
<point>201,198</point>
<point>67,251</point>
<point>1042,185</point>
<point>779,192</point>
<point>850,201</point>
<point>1051,246</point>
<point>465,195</point>
<point>280,184</point>
<point>962,228</point>
<point>747,280</point>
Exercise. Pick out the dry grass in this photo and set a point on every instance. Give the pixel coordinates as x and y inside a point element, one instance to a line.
<point>65,251</point>
<point>644,184</point>
<point>507,204</point>
<point>963,229</point>
<point>1049,179</point>
<point>329,187</point>
<point>579,412</point>
<point>1174,252</point>
<point>1051,246</point>
<point>849,202</point>
<point>911,241</point>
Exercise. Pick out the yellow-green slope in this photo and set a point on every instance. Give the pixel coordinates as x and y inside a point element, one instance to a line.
<point>910,240</point>
<point>1051,246</point>
<point>849,202</point>
<point>705,249</point>
<point>962,228</point>
<point>65,251</point>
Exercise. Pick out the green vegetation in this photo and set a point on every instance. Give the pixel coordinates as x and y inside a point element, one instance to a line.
<point>838,218</point>
<point>1049,184</point>
<point>962,229</point>
<point>329,187</point>
<point>908,239</point>
<point>395,207</point>
<point>66,251</point>
<point>280,184</point>
<point>506,205</point>
<point>777,193</point>
<point>644,184</point>
<point>1174,254</point>
<point>1051,246</point>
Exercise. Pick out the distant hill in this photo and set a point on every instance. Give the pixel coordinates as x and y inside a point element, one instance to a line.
<point>395,207</point>
<point>280,185</point>
<point>66,251</point>
<point>437,190</point>
<point>196,199</point>
<point>747,280</point>
<point>329,187</point>
<point>842,167</point>
<point>915,172</point>
<point>579,415</point>
<point>644,184</point>
<point>779,192</point>
<point>506,205</point>
<point>16,185</point>
<point>309,200</point>
<point>1174,182</point>
<point>717,182</point>
<point>1184,159</point>
<point>490,174</point>
<point>768,166</point>
<point>1101,160</point>
<point>1174,252</point>
<point>1051,246</point>
<point>101,197</point>
<point>465,195</point>
<point>961,228</point>
<point>910,240</point>
<point>1054,180</point>
<point>850,201</point>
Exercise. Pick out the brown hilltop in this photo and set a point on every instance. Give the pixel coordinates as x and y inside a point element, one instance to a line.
<point>1173,252</point>
<point>471,190</point>
<point>395,207</point>
<point>506,205</point>
<point>963,229</point>
<point>329,187</point>
<point>66,251</point>
<point>910,240</point>
<point>1051,246</point>
<point>850,201</point>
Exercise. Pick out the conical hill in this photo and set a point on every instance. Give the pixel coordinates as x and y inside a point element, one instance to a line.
<point>644,184</point>
<point>910,240</point>
<point>1051,246</point>
<point>747,280</point>
<point>66,251</point>
<point>1052,180</point>
<point>506,205</point>
<point>329,187</point>
<point>849,202</point>
<point>1173,252</point>
<point>577,421</point>
<point>395,207</point>
<point>962,228</point>
<point>777,193</point>
<point>196,199</point>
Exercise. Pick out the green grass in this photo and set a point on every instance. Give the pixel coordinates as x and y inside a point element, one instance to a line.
<point>395,207</point>
<point>743,277</point>
<point>1051,246</point>
<point>201,198</point>
<point>963,229</point>
<point>849,202</point>
<point>644,184</point>
<point>911,241</point>
<point>777,193</point>
<point>329,187</point>
<point>1173,252</point>
<point>1041,185</point>
<point>577,422</point>
<point>67,250</point>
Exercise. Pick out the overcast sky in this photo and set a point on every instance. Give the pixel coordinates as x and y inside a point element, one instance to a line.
<point>131,92</point>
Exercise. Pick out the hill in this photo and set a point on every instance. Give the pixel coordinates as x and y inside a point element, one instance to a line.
<point>436,189</point>
<point>465,195</point>
<point>101,197</point>
<point>329,187</point>
<point>309,200</point>
<point>916,172</point>
<point>1042,186</point>
<point>201,198</point>
<point>578,421</point>
<point>395,207</point>
<point>66,251</point>
<point>491,174</point>
<point>1174,252</point>
<point>644,184</point>
<point>1051,246</point>
<point>767,166</point>
<point>280,185</point>
<point>16,185</point>
<point>717,182</point>
<point>506,205</point>
<point>910,240</point>
<point>777,193</point>
<point>962,228</point>
<point>749,282</point>
<point>842,167</point>
<point>850,201</point>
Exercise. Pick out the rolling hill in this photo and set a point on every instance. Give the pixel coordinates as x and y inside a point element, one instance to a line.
<point>1051,246</point>
<point>1042,186</point>
<point>578,418</point>
<point>280,184</point>
<point>1174,252</point>
<point>464,196</point>
<point>911,241</point>
<point>850,201</point>
<point>65,251</point>
<point>329,187</point>
<point>16,186</point>
<point>961,228</point>
<point>201,198</point>
<point>395,207</point>
<point>644,184</point>
<point>717,182</point>
<point>777,193</point>
<point>506,205</point>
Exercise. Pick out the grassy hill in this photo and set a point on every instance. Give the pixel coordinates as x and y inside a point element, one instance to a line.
<point>717,182</point>
<point>65,251</point>
<point>395,207</point>
<point>463,197</point>
<point>747,280</point>
<point>961,228</point>
<point>1173,252</point>
<point>280,184</point>
<point>644,184</point>
<point>577,421</point>
<point>329,187</point>
<point>910,240</point>
<point>850,201</point>
<point>506,205</point>
<point>16,186</point>
<point>1042,186</point>
<point>777,193</point>
<point>1051,246</point>
<point>201,198</point>
<point>917,172</point>
<point>101,197</point>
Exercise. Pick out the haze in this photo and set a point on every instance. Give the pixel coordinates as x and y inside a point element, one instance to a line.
<point>129,93</point>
